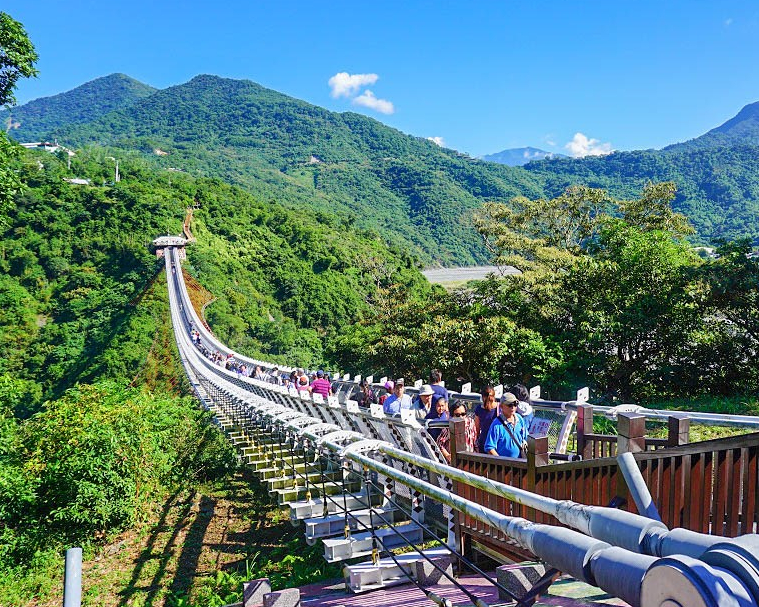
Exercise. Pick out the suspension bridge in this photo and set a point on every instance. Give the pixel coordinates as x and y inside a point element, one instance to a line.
<point>654,522</point>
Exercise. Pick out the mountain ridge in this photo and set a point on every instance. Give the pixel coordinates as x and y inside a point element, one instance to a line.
<point>741,129</point>
<point>415,193</point>
<point>520,156</point>
<point>79,105</point>
<point>412,192</point>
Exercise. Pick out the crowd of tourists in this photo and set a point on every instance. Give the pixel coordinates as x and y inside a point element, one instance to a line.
<point>495,428</point>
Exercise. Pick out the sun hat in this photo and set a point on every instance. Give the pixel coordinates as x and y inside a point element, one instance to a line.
<point>508,398</point>
<point>389,385</point>
<point>426,390</point>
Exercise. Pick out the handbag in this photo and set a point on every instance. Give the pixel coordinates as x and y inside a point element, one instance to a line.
<point>522,446</point>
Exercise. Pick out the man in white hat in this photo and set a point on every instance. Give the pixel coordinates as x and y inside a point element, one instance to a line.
<point>423,405</point>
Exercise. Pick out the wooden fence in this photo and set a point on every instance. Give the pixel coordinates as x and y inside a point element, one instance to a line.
<point>710,487</point>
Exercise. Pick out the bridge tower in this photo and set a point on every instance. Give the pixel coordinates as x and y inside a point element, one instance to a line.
<point>159,245</point>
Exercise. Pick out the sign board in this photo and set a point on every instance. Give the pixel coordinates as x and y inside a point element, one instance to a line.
<point>409,417</point>
<point>369,379</point>
<point>535,393</point>
<point>418,383</point>
<point>466,388</point>
<point>539,426</point>
<point>582,395</point>
<point>333,402</point>
<point>376,411</point>
<point>357,379</point>
<point>351,406</point>
<point>318,398</point>
<point>498,391</point>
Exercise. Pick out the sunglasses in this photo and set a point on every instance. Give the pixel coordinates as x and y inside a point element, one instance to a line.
<point>509,405</point>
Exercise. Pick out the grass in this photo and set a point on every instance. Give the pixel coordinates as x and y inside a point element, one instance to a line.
<point>197,549</point>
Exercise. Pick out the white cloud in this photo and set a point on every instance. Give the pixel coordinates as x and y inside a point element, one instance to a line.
<point>368,99</point>
<point>438,140</point>
<point>344,84</point>
<point>550,140</point>
<point>582,145</point>
<point>728,22</point>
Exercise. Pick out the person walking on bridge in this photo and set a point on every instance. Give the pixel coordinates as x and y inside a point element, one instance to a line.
<point>321,385</point>
<point>484,414</point>
<point>397,400</point>
<point>507,436</point>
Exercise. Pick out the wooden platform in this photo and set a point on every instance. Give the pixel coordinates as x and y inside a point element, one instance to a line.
<point>565,593</point>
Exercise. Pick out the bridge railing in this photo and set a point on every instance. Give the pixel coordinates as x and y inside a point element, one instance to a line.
<point>631,434</point>
<point>710,487</point>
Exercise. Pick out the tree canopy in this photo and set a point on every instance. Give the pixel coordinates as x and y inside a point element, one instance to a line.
<point>17,57</point>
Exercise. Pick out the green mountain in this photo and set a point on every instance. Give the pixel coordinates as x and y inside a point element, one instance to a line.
<point>742,129</point>
<point>717,188</point>
<point>36,119</point>
<point>417,194</point>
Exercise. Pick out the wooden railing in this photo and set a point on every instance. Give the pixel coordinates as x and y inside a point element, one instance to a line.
<point>631,430</point>
<point>710,487</point>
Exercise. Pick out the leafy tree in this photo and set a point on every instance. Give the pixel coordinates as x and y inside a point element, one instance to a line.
<point>17,57</point>
<point>630,309</point>
<point>733,279</point>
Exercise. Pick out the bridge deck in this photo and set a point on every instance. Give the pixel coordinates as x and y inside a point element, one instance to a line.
<point>565,592</point>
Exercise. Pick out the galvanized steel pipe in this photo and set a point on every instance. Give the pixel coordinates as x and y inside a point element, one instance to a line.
<point>72,581</point>
<point>637,486</point>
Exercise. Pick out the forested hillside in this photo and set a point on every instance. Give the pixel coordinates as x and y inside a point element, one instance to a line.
<point>717,187</point>
<point>74,257</point>
<point>420,196</point>
<point>33,120</point>
<point>741,129</point>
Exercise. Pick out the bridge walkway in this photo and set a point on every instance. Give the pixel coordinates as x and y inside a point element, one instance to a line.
<point>635,559</point>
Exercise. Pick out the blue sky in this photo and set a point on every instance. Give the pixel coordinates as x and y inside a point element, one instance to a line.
<point>481,75</point>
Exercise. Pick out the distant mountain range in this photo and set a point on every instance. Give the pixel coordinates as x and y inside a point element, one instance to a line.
<point>414,194</point>
<point>520,156</point>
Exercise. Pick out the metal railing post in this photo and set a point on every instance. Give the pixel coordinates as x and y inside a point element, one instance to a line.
<point>72,581</point>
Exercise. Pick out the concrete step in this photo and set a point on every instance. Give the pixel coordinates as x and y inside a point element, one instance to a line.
<point>334,524</point>
<point>363,577</point>
<point>263,463</point>
<point>273,472</point>
<point>314,478</point>
<point>315,507</point>
<point>285,496</point>
<point>360,544</point>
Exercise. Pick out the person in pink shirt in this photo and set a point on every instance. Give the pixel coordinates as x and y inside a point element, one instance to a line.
<point>321,385</point>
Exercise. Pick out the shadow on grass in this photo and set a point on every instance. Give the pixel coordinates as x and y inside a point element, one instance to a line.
<point>148,553</point>
<point>193,547</point>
